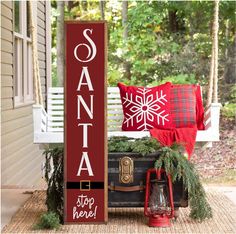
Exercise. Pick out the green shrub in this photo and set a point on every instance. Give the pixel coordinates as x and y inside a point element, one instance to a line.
<point>49,220</point>
<point>178,79</point>
<point>229,110</point>
<point>54,179</point>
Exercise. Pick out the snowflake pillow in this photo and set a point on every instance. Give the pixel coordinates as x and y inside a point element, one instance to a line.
<point>145,108</point>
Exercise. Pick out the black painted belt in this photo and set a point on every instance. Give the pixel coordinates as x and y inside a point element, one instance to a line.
<point>85,185</point>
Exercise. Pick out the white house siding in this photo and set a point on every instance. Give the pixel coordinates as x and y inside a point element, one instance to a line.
<point>20,158</point>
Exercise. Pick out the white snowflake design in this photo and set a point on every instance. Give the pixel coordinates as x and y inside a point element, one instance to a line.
<point>145,107</point>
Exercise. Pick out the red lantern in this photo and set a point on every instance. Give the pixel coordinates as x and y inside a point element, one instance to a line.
<point>159,204</point>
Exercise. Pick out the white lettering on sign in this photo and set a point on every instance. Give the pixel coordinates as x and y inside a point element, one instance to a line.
<point>88,110</point>
<point>84,202</point>
<point>85,82</point>
<point>92,49</point>
<point>88,167</point>
<point>88,82</point>
<point>85,133</point>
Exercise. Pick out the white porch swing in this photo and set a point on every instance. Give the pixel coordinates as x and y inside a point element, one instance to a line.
<point>49,126</point>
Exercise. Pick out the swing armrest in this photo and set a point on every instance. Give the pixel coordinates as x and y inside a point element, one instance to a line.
<point>40,119</point>
<point>212,117</point>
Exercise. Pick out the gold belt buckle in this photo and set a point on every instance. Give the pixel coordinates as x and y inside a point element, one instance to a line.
<point>85,185</point>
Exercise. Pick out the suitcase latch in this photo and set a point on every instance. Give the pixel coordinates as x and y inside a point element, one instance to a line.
<point>126,169</point>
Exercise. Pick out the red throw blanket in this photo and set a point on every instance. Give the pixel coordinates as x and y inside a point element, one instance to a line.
<point>182,136</point>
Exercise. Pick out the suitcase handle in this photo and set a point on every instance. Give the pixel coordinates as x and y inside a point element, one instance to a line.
<point>126,189</point>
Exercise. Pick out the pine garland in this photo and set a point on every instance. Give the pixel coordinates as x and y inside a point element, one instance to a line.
<point>179,167</point>
<point>143,146</point>
<point>171,159</point>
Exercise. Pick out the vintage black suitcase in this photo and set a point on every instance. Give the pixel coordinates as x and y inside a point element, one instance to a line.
<point>127,179</point>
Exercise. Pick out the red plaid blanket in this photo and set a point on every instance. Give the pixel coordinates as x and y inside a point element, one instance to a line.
<point>183,136</point>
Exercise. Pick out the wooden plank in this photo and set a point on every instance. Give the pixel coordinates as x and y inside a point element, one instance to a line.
<point>16,113</point>
<point>41,31</point>
<point>112,123</point>
<point>8,4</point>
<point>50,129</point>
<point>118,112</point>
<point>32,178</point>
<point>206,135</point>
<point>113,101</point>
<point>7,104</point>
<point>41,39</point>
<point>55,101</point>
<point>55,96</point>
<point>114,95</point>
<point>55,118</point>
<point>15,163</point>
<point>49,137</point>
<point>55,124</point>
<point>56,90</point>
<point>6,69</point>
<point>15,124</point>
<point>116,117</point>
<point>112,89</point>
<point>41,48</point>
<point>6,58</point>
<point>7,80</point>
<point>17,145</point>
<point>41,23</point>
<point>42,72</point>
<point>6,23</point>
<point>55,107</point>
<point>6,12</point>
<point>134,134</point>
<point>42,64</point>
<point>20,132</point>
<point>41,55</point>
<point>7,92</point>
<point>119,107</point>
<point>202,136</point>
<point>57,113</point>
<point>43,89</point>
<point>43,81</point>
<point>6,35</point>
<point>6,46</point>
<point>114,129</point>
<point>41,6</point>
<point>41,14</point>
<point>43,78</point>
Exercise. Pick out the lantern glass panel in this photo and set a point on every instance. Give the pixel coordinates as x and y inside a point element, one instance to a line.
<point>159,202</point>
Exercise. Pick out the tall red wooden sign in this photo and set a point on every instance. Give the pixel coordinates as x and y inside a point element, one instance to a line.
<point>85,174</point>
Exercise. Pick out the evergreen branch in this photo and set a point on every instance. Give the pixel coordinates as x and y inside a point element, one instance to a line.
<point>179,167</point>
